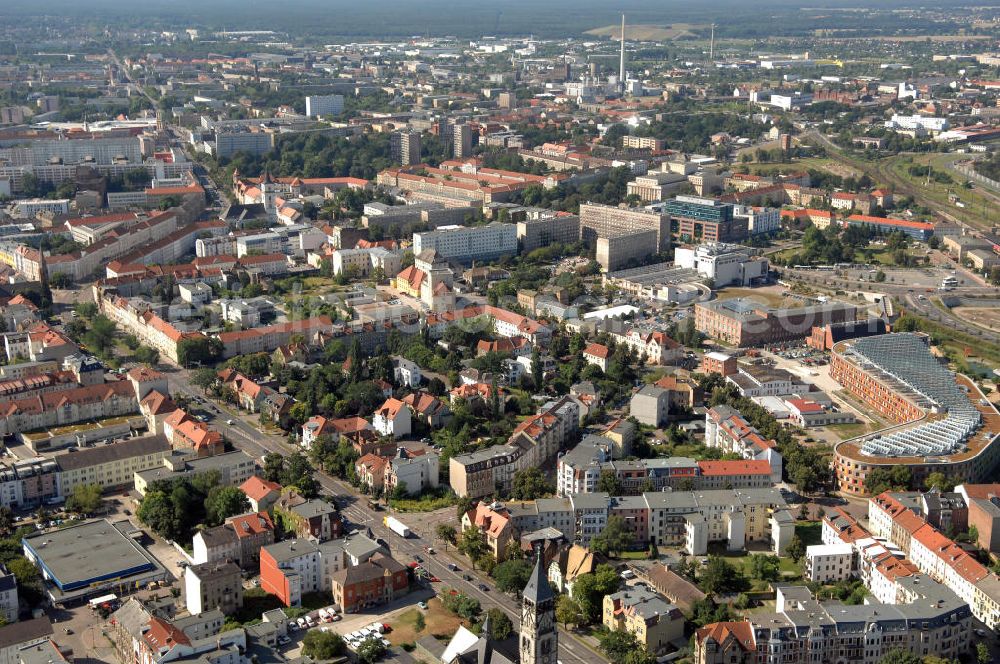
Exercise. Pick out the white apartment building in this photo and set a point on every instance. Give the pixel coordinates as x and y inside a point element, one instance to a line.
<point>406,373</point>
<point>760,220</point>
<point>829,563</point>
<point>261,243</point>
<point>9,606</point>
<point>417,473</point>
<point>215,246</point>
<point>29,207</point>
<point>469,243</point>
<point>362,262</point>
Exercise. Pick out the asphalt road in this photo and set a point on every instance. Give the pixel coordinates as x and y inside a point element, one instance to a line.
<point>246,436</point>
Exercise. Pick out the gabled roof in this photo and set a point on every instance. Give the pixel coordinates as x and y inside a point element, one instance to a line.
<point>741,632</point>
<point>597,350</point>
<point>162,634</point>
<point>390,408</point>
<point>257,488</point>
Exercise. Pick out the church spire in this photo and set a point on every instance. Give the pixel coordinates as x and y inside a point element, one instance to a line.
<point>539,639</point>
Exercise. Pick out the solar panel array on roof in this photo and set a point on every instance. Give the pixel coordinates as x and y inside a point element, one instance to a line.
<point>906,360</point>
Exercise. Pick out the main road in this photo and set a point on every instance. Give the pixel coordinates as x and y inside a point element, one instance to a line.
<point>245,435</point>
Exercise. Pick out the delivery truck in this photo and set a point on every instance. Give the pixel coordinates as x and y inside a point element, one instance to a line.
<point>396,526</point>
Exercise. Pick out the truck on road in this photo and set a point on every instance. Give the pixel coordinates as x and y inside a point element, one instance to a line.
<point>396,526</point>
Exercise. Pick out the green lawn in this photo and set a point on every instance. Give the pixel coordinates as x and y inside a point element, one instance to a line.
<point>790,570</point>
<point>633,555</point>
<point>425,503</point>
<point>847,431</point>
<point>810,532</point>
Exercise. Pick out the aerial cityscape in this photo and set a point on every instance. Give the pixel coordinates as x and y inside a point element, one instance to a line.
<point>508,333</point>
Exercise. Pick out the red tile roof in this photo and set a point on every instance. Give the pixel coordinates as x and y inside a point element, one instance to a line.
<point>257,488</point>
<point>248,525</point>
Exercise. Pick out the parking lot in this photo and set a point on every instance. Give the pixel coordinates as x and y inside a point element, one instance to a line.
<point>347,624</point>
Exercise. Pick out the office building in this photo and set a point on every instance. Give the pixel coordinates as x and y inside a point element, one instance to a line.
<point>228,143</point>
<point>656,186</point>
<point>745,322</point>
<point>548,230</point>
<point>760,220</point>
<point>950,426</point>
<point>624,250</point>
<point>30,207</point>
<point>705,220</point>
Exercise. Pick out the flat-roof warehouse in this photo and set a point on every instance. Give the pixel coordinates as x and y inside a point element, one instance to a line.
<point>89,558</point>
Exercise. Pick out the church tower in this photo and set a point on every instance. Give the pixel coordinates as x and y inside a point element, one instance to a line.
<point>269,193</point>
<point>539,639</point>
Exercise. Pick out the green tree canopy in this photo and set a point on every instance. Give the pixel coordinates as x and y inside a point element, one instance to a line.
<point>589,590</point>
<point>85,499</point>
<point>323,645</point>
<point>223,502</point>
<point>530,484</point>
<point>721,577</point>
<point>614,538</point>
<point>512,575</point>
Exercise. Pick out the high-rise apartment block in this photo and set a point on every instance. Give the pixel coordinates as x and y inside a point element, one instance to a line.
<point>597,221</point>
<point>406,147</point>
<point>462,134</point>
<point>320,105</point>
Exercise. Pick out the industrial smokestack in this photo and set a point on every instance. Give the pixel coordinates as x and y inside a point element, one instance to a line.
<point>621,63</point>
